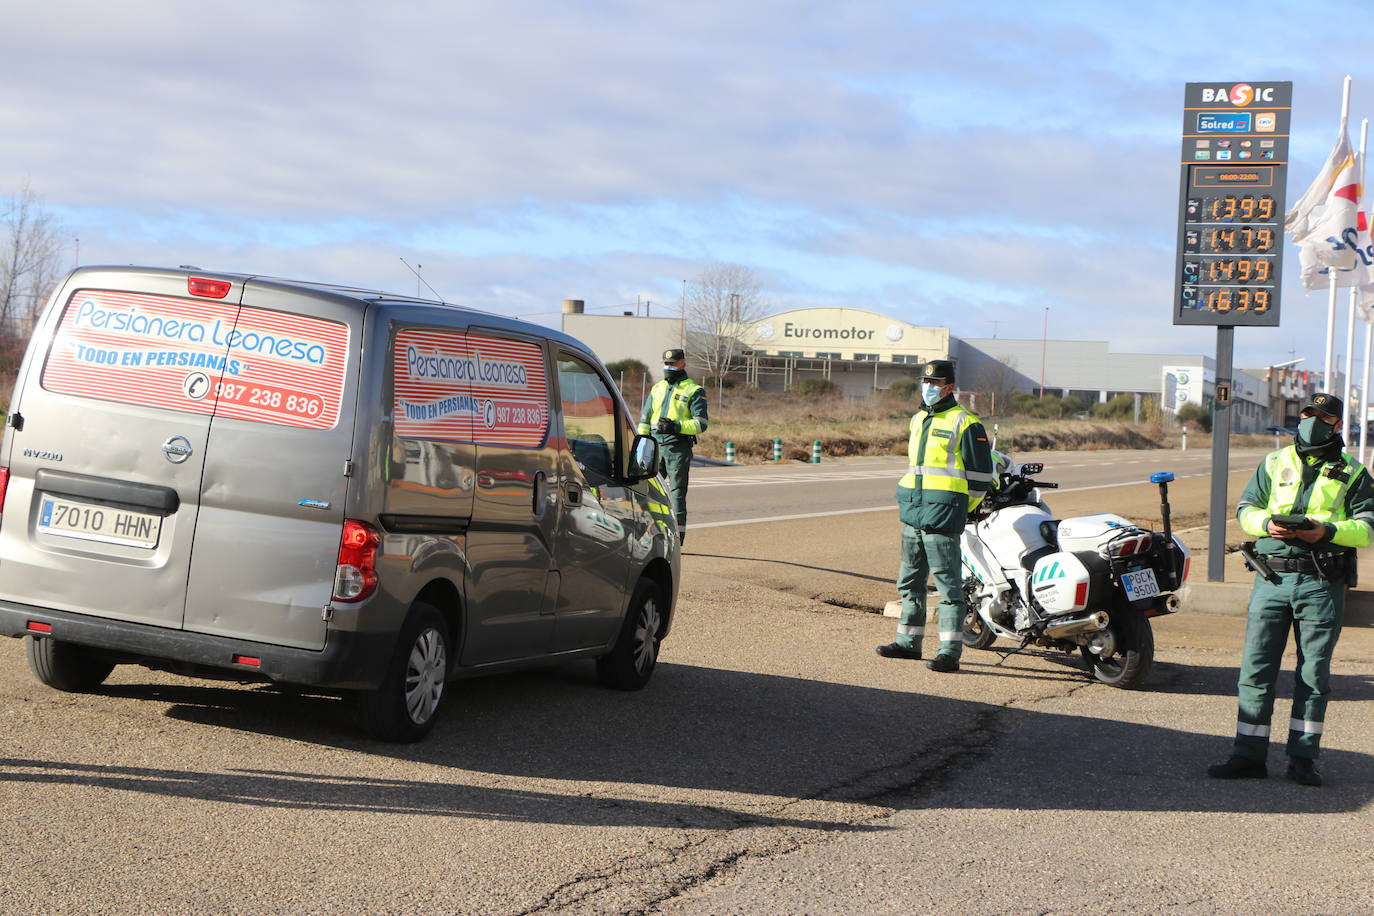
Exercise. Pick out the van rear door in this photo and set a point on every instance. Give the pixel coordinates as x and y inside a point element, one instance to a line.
<point>107,444</point>
<point>275,475</point>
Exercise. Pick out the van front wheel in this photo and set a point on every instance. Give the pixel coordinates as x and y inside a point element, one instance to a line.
<point>63,666</point>
<point>404,708</point>
<point>631,661</point>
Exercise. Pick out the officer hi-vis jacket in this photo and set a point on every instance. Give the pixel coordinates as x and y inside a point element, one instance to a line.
<point>1333,489</point>
<point>683,401</point>
<point>949,468</point>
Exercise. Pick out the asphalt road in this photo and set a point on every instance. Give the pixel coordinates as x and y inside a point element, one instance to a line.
<point>774,765</point>
<point>749,492</point>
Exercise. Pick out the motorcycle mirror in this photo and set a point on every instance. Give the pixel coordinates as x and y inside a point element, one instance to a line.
<point>1162,477</point>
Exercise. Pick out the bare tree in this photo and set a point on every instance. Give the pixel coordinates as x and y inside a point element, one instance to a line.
<point>997,378</point>
<point>30,258</point>
<point>721,304</point>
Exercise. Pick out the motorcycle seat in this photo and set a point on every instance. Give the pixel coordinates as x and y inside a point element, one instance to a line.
<point>1033,556</point>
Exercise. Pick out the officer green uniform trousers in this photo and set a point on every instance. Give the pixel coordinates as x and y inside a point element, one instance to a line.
<point>926,554</point>
<point>1312,608</point>
<point>676,455</point>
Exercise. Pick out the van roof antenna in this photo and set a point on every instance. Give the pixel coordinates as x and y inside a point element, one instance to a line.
<point>423,280</point>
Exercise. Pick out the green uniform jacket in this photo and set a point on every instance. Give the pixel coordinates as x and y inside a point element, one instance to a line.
<point>687,405</point>
<point>944,511</point>
<point>1354,525</point>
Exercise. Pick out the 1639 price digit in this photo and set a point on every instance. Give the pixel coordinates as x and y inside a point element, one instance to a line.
<point>1237,300</point>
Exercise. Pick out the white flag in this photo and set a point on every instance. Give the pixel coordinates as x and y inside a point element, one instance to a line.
<point>1296,221</point>
<point>1352,247</point>
<point>1333,238</point>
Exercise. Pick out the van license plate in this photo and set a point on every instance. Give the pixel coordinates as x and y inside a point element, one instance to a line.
<point>1140,584</point>
<point>98,523</point>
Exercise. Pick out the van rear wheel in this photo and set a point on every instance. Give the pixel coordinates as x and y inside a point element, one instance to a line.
<point>404,708</point>
<point>64,666</point>
<point>631,661</point>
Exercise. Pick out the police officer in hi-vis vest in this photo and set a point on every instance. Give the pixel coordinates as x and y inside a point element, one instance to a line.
<point>950,470</point>
<point>1309,505</point>
<point>675,413</point>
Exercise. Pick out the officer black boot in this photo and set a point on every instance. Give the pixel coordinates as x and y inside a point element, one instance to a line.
<point>894,650</point>
<point>1239,768</point>
<point>1303,771</point>
<point>943,662</point>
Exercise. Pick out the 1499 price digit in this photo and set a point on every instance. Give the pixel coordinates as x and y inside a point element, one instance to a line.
<point>1237,270</point>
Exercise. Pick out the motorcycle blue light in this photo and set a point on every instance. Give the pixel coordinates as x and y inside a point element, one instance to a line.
<point>1161,477</point>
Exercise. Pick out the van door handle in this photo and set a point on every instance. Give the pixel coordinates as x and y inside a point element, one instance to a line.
<point>541,484</point>
<point>572,490</point>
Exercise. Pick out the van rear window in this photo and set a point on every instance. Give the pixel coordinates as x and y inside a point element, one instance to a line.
<point>201,356</point>
<point>469,388</point>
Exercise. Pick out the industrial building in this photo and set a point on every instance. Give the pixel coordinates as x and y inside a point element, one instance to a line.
<point>862,351</point>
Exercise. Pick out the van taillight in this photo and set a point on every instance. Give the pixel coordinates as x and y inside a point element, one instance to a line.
<point>210,289</point>
<point>356,575</point>
<point>4,485</point>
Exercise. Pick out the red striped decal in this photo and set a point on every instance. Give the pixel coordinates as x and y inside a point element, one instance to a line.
<point>469,388</point>
<point>200,356</point>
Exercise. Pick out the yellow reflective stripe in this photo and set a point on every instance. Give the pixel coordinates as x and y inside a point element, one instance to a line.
<point>1254,521</point>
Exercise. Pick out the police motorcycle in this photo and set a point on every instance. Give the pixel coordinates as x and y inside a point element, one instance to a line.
<point>1088,584</point>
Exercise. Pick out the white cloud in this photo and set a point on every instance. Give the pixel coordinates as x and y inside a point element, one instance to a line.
<point>919,157</point>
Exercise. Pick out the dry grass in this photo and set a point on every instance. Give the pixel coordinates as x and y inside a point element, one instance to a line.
<point>878,426</point>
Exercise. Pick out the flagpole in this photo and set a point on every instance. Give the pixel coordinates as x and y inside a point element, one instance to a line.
<point>1331,297</point>
<point>1364,390</point>
<point>1354,294</point>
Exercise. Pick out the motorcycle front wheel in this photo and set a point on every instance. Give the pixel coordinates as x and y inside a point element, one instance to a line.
<point>1123,654</point>
<point>977,633</point>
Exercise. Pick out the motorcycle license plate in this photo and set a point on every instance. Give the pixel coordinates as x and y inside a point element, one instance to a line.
<point>1140,584</point>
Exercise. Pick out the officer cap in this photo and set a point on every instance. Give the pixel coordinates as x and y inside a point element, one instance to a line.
<point>1325,403</point>
<point>672,356</point>
<point>941,369</point>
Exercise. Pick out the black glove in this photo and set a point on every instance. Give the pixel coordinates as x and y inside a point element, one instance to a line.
<point>667,426</point>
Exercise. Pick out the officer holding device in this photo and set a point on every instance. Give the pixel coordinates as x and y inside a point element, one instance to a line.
<point>675,414</point>
<point>1310,506</point>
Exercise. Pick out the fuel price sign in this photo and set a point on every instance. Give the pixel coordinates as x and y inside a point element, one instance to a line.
<point>1231,203</point>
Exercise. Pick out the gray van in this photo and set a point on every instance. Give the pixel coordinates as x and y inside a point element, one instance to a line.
<point>242,477</point>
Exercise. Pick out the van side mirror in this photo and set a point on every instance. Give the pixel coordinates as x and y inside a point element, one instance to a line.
<point>643,458</point>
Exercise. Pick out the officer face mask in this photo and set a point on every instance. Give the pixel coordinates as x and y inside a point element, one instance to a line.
<point>1314,432</point>
<point>674,374</point>
<point>930,393</point>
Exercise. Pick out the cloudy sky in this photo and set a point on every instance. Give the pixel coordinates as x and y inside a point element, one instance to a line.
<point>950,163</point>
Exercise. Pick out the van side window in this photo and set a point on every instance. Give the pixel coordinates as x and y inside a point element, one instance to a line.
<point>589,415</point>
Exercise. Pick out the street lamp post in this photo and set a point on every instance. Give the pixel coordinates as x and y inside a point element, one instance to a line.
<point>1044,343</point>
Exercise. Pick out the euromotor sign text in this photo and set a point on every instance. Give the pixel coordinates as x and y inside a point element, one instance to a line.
<point>800,333</point>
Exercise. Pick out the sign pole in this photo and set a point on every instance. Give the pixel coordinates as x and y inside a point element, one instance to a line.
<point>1221,453</point>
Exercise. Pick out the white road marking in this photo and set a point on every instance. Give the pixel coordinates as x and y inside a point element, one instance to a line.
<point>792,518</point>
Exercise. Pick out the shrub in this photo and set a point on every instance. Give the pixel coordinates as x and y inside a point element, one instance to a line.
<point>630,368</point>
<point>1195,415</point>
<point>816,387</point>
<point>1121,407</point>
<point>904,388</point>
